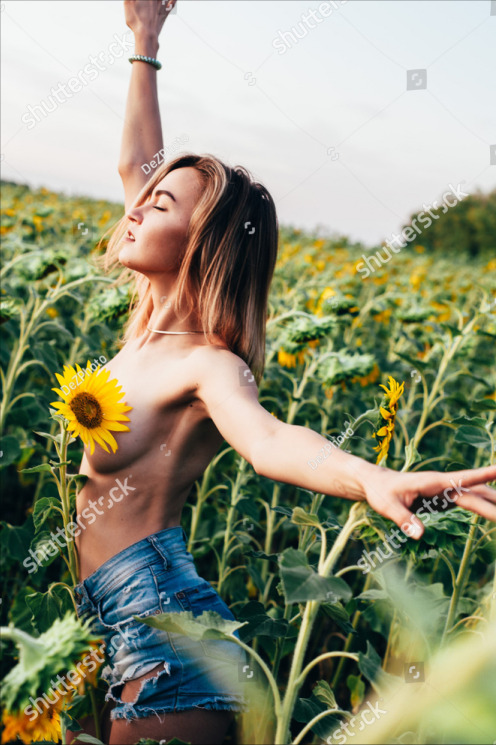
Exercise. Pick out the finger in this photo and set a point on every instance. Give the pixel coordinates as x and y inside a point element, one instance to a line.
<point>474,476</point>
<point>478,505</point>
<point>431,483</point>
<point>406,521</point>
<point>485,492</point>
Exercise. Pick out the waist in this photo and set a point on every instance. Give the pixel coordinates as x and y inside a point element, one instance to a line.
<point>167,546</point>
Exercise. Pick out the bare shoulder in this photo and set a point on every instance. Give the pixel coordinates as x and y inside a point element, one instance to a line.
<point>229,394</point>
<point>216,366</point>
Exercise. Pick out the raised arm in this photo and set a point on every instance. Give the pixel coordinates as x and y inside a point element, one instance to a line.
<point>142,133</point>
<point>298,455</point>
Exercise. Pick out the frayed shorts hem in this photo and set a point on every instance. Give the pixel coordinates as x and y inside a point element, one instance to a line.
<point>129,711</point>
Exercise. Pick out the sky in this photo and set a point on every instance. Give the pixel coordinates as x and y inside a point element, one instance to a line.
<point>369,111</point>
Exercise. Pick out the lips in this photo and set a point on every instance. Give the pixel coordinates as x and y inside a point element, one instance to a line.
<point>130,236</point>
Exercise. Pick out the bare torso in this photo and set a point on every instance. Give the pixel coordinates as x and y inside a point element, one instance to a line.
<point>170,443</point>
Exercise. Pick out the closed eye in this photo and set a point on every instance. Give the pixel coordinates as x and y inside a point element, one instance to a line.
<point>162,209</point>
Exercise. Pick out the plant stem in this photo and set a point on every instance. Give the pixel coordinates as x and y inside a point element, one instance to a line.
<point>96,716</point>
<point>355,518</point>
<point>461,576</point>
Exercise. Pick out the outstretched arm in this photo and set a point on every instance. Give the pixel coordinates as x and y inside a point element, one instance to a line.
<point>298,455</point>
<point>142,133</point>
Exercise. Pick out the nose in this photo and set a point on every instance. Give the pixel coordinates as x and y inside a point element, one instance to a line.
<point>133,216</point>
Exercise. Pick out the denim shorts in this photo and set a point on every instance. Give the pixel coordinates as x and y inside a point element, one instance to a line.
<point>158,575</point>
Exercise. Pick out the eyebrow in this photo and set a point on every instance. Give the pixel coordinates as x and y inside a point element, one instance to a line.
<point>164,191</point>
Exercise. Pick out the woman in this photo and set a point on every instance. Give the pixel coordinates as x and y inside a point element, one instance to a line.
<point>200,239</point>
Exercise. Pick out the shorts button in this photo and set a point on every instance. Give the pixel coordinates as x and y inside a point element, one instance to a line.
<point>179,594</point>
<point>157,611</point>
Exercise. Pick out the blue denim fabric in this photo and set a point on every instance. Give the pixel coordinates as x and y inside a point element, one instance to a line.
<point>158,575</point>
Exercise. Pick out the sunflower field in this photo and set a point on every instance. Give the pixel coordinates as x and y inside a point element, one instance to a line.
<point>351,636</point>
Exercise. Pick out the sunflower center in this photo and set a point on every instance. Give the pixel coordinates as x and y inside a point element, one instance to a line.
<point>87,410</point>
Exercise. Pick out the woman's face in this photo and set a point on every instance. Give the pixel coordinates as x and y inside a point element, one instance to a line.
<point>160,224</point>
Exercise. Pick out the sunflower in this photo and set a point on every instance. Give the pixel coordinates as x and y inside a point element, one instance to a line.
<point>91,405</point>
<point>40,658</point>
<point>285,359</point>
<point>46,726</point>
<point>392,395</point>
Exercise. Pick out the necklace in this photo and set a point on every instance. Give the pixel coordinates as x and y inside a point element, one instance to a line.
<point>157,331</point>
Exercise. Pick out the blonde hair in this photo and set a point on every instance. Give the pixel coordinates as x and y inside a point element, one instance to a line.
<point>228,263</point>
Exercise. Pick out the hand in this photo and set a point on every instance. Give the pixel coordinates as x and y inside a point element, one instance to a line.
<point>391,493</point>
<point>147,16</point>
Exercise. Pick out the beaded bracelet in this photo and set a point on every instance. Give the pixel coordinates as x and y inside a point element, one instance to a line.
<point>150,60</point>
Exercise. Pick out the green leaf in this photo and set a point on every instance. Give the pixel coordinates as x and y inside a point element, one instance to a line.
<point>369,663</point>
<point>300,517</point>
<point>323,692</point>
<point>37,469</point>
<point>258,623</point>
<point>15,539</point>
<point>10,450</point>
<point>483,404</point>
<point>78,477</point>
<point>338,614</point>
<point>42,510</point>
<point>414,362</point>
<point>283,511</point>
<point>372,595</point>
<point>356,687</point>
<point>474,436</point>
<point>90,738</point>
<point>261,555</point>
<point>301,583</point>
<point>48,606</point>
<point>55,438</point>
<point>473,421</point>
<point>208,625</point>
<point>248,507</point>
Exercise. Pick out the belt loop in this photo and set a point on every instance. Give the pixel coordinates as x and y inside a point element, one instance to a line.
<point>159,549</point>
